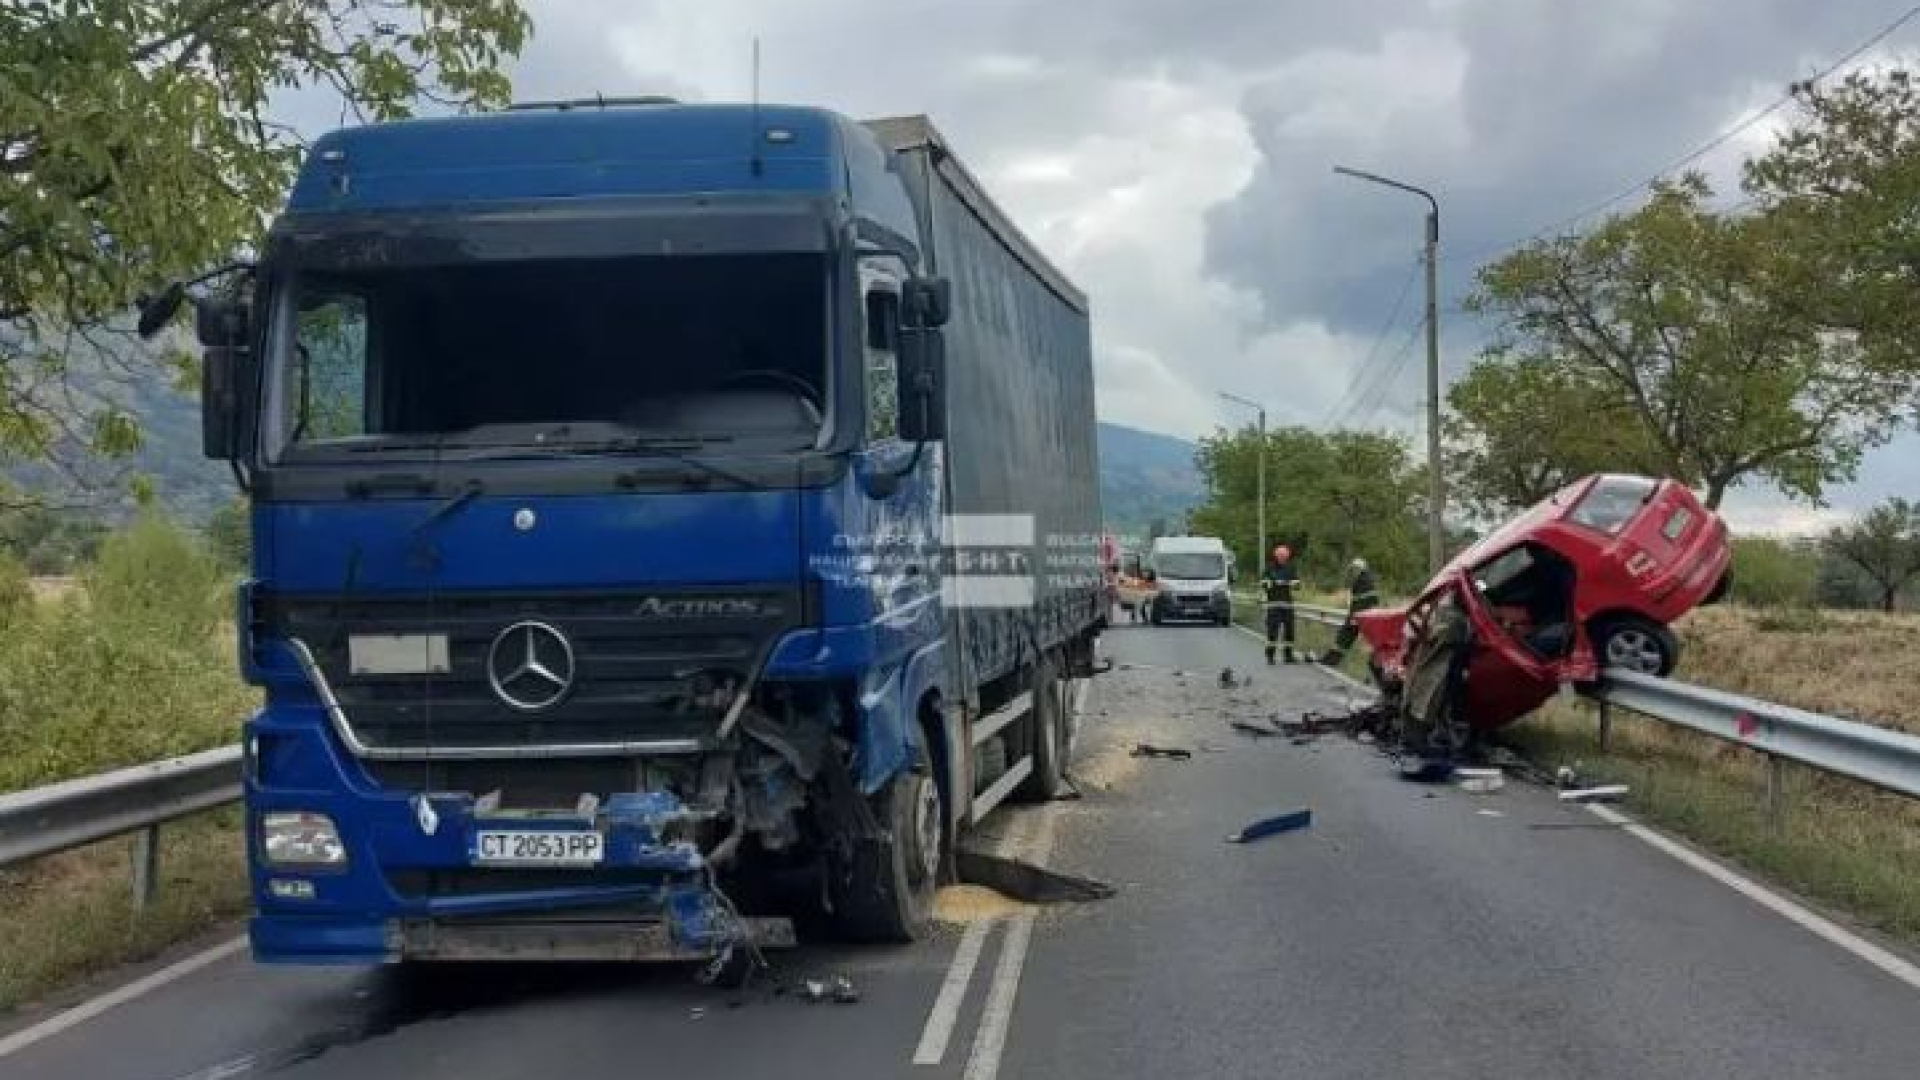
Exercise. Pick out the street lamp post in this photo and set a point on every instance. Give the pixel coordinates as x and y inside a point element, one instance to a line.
<point>1260,470</point>
<point>1436,488</point>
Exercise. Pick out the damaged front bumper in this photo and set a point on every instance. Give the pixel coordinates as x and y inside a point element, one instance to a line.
<point>631,882</point>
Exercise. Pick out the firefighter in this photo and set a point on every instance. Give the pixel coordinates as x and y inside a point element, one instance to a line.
<point>1363,594</point>
<point>1277,585</point>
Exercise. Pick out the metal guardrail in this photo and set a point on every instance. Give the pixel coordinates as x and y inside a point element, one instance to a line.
<point>139,799</point>
<point>1873,755</point>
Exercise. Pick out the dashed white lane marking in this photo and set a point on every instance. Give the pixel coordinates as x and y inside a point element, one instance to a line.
<point>1807,920</point>
<point>82,1013</point>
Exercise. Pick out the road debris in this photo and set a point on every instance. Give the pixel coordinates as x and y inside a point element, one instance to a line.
<point>1422,770</point>
<point>1565,776</point>
<point>1288,821</point>
<point>698,1012</point>
<point>1254,730</point>
<point>1487,812</point>
<point>813,991</point>
<point>1152,751</point>
<point>1603,793</point>
<point>1479,781</point>
<point>1027,881</point>
<point>1229,681</point>
<point>843,991</point>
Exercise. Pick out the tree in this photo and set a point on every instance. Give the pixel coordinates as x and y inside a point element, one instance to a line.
<point>1844,181</point>
<point>136,150</point>
<point>1664,325</point>
<point>1330,497</point>
<point>1504,453</point>
<point>1884,545</point>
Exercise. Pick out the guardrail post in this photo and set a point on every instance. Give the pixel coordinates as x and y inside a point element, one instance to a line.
<point>1776,795</point>
<point>1606,725</point>
<point>146,866</point>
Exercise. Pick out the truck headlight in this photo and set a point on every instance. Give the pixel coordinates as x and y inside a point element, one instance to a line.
<point>300,838</point>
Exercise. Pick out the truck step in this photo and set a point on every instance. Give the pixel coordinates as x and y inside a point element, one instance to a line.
<point>984,803</point>
<point>989,725</point>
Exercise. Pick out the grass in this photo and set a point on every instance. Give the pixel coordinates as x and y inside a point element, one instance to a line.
<point>1841,843</point>
<point>69,915</point>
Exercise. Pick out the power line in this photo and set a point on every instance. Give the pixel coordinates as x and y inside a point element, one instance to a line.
<point>1714,143</point>
<point>1394,371</point>
<point>1363,371</point>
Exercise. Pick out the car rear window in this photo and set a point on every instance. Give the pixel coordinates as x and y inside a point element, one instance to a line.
<point>1677,524</point>
<point>1612,502</point>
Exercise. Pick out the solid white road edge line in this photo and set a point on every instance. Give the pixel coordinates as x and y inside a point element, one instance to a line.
<point>1807,920</point>
<point>82,1013</point>
<point>990,1042</point>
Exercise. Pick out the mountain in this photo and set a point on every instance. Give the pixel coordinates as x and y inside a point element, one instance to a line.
<point>1146,477</point>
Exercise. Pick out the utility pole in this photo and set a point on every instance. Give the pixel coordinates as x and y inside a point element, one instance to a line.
<point>1260,471</point>
<point>1436,485</point>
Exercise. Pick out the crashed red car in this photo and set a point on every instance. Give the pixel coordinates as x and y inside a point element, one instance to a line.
<point>1588,579</point>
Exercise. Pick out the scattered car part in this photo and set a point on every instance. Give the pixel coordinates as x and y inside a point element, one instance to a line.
<point>1288,821</point>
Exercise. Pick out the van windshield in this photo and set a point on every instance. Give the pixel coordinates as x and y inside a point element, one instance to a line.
<point>1190,566</point>
<point>498,353</point>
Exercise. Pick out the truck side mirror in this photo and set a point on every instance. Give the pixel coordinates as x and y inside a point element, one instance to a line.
<point>928,301</point>
<point>221,321</point>
<point>221,372</point>
<point>922,378</point>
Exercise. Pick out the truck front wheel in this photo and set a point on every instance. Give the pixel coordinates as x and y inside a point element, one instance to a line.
<point>886,895</point>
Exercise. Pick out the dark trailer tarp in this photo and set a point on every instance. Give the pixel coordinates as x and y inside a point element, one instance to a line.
<point>1020,419</point>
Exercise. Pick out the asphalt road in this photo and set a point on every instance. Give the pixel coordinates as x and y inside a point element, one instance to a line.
<point>1405,933</point>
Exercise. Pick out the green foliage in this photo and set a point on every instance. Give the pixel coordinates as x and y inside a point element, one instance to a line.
<point>135,150</point>
<point>1768,572</point>
<point>137,666</point>
<point>16,595</point>
<point>1884,546</point>
<point>1844,182</point>
<point>1662,327</point>
<point>1330,497</point>
<point>153,577</point>
<point>230,534</point>
<point>47,542</point>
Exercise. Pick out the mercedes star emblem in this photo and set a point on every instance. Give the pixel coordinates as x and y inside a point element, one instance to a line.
<point>530,666</point>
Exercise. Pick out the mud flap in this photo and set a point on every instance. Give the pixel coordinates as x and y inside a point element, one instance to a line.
<point>1027,881</point>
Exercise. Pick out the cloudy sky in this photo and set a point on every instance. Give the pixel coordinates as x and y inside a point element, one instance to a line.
<point>1176,158</point>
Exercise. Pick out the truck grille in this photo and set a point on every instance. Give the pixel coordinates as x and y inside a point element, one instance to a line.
<point>646,667</point>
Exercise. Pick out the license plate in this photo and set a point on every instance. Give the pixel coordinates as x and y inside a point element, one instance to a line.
<point>529,847</point>
<point>397,654</point>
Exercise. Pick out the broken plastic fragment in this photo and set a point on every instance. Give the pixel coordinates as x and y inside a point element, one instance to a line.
<point>1289,821</point>
<point>1150,750</point>
<point>1603,793</point>
<point>843,991</point>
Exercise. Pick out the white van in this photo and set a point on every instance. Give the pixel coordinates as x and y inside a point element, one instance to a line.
<point>1191,576</point>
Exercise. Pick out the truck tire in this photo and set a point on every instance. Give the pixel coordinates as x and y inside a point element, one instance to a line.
<point>1050,726</point>
<point>886,895</point>
<point>1636,644</point>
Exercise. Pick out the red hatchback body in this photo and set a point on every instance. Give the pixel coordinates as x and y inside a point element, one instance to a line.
<point>1588,579</point>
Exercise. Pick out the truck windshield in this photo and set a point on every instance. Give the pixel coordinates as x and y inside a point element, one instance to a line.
<point>1190,566</point>
<point>489,354</point>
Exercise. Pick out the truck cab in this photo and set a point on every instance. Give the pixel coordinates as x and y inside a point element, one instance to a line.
<point>601,486</point>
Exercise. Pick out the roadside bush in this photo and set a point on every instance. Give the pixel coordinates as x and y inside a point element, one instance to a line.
<point>16,596</point>
<point>135,666</point>
<point>153,576</point>
<point>1770,573</point>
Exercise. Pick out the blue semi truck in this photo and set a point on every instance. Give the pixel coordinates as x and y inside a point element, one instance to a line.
<point>669,522</point>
